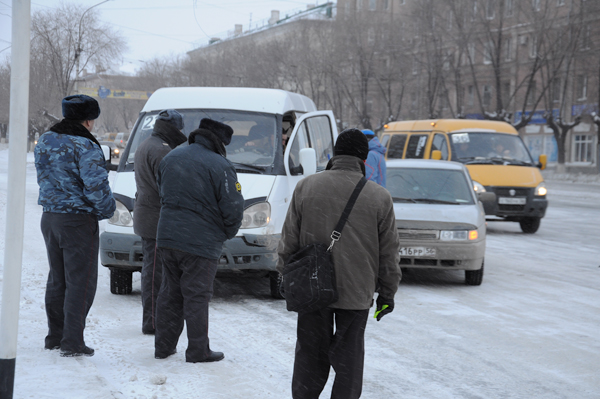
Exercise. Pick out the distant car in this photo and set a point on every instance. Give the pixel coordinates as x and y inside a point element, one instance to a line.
<point>440,221</point>
<point>114,150</point>
<point>121,140</point>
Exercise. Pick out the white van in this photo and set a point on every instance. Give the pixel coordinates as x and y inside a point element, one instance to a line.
<point>267,170</point>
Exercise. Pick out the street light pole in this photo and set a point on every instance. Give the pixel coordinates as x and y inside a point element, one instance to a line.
<point>79,50</point>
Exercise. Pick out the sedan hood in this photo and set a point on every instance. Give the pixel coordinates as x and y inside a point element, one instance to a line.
<point>469,214</point>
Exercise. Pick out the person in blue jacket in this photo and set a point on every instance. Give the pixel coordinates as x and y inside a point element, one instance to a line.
<point>75,194</point>
<point>375,163</point>
<point>202,207</point>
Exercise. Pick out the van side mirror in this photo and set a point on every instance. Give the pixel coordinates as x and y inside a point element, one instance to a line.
<point>543,161</point>
<point>308,161</point>
<point>436,154</point>
<point>109,165</point>
<point>105,151</point>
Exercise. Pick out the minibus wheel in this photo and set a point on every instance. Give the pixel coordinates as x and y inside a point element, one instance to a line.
<point>530,225</point>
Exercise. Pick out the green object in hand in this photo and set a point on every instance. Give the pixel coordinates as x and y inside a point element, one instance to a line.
<point>384,307</point>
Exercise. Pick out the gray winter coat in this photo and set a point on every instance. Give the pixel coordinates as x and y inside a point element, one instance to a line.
<point>202,204</point>
<point>148,155</point>
<point>366,257</point>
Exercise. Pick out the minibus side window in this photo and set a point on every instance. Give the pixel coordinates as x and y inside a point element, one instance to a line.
<point>321,139</point>
<point>416,146</point>
<point>396,149</point>
<point>441,144</point>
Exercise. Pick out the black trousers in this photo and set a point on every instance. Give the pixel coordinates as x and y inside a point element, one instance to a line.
<point>186,290</point>
<point>72,247</point>
<point>318,348</point>
<point>151,280</point>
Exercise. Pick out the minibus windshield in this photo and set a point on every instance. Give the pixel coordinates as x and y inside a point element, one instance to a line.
<point>489,148</point>
<point>254,134</point>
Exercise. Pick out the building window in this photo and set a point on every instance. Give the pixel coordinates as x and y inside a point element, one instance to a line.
<point>506,94</point>
<point>413,101</point>
<point>359,5</point>
<point>508,8</point>
<point>490,9</point>
<point>560,3</point>
<point>487,52</point>
<point>535,4</point>
<point>386,5</point>
<point>508,48</point>
<point>581,87</point>
<point>585,38</point>
<point>533,47</point>
<point>371,36</point>
<point>415,67</point>
<point>531,96</point>
<point>471,96</point>
<point>402,2</point>
<point>582,147</point>
<point>372,5</point>
<point>487,96</point>
<point>556,90</point>
<point>471,52</point>
<point>474,11</point>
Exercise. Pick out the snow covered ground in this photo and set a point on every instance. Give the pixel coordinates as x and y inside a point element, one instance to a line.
<point>531,330</point>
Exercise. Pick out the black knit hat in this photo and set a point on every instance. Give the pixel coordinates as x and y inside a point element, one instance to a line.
<point>80,108</point>
<point>352,142</point>
<point>221,130</point>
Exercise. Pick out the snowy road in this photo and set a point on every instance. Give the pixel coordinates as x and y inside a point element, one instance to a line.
<point>531,330</point>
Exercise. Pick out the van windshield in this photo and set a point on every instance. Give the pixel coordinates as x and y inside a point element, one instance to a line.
<point>489,148</point>
<point>254,134</point>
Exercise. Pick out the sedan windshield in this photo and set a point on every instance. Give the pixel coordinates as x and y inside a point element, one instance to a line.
<point>429,186</point>
<point>489,148</point>
<point>252,144</point>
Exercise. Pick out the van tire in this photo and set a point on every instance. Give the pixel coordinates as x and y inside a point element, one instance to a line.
<point>474,277</point>
<point>530,225</point>
<point>276,282</point>
<point>120,281</point>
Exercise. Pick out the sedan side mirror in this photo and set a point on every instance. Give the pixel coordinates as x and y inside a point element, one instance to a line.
<point>308,161</point>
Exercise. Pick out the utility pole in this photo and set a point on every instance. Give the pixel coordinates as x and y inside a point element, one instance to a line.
<point>15,218</point>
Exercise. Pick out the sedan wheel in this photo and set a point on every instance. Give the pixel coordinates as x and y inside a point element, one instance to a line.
<point>474,277</point>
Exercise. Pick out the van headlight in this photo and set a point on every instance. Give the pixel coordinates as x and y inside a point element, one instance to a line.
<point>257,215</point>
<point>458,235</point>
<point>541,190</point>
<point>122,216</point>
<point>478,187</point>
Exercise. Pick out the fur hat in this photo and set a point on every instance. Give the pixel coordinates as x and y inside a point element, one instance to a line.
<point>368,132</point>
<point>80,108</point>
<point>171,116</point>
<point>221,130</point>
<point>352,142</point>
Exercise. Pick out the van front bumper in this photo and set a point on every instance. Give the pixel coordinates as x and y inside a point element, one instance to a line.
<point>534,206</point>
<point>123,251</point>
<point>250,252</point>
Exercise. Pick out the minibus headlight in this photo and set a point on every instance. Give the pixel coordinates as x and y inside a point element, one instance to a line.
<point>122,216</point>
<point>478,187</point>
<point>541,190</point>
<point>257,215</point>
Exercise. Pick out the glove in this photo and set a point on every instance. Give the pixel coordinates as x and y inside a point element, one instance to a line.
<point>384,306</point>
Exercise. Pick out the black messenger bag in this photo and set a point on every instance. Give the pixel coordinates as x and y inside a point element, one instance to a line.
<point>308,274</point>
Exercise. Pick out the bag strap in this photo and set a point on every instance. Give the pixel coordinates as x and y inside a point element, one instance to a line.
<point>337,232</point>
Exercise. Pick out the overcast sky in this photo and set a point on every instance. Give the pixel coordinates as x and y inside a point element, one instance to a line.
<point>165,27</point>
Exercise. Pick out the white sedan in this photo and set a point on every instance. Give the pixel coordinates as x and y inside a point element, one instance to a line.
<point>440,221</point>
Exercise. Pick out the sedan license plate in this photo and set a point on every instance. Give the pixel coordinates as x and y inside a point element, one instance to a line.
<point>417,251</point>
<point>512,201</point>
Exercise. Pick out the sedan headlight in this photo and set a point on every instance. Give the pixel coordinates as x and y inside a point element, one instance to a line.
<point>541,190</point>
<point>122,216</point>
<point>257,215</point>
<point>458,235</point>
<point>478,187</point>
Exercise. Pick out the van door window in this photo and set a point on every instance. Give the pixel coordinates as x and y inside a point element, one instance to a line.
<point>300,142</point>
<point>441,144</point>
<point>321,139</point>
<point>416,146</point>
<point>397,143</point>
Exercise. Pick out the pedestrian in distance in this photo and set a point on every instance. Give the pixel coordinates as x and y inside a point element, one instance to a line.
<point>165,136</point>
<point>202,207</point>
<point>365,259</point>
<point>375,165</point>
<point>75,194</point>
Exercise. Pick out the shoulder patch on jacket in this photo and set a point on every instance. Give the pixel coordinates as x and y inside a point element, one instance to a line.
<point>238,186</point>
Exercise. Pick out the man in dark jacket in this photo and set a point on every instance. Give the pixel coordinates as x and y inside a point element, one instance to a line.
<point>365,258</point>
<point>202,206</point>
<point>166,136</point>
<point>75,194</point>
<point>375,167</point>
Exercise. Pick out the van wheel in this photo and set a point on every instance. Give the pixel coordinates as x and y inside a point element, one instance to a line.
<point>474,277</point>
<point>120,281</point>
<point>530,225</point>
<point>276,282</point>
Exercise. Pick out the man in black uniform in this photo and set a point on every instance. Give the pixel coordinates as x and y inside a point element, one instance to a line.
<point>166,136</point>
<point>202,206</point>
